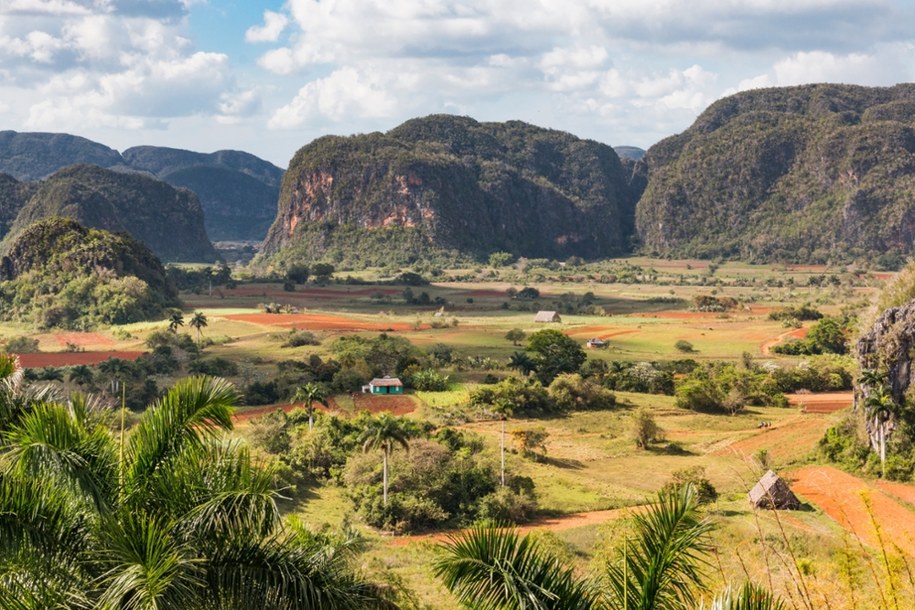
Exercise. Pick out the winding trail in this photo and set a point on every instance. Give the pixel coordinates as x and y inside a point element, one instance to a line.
<point>796,333</point>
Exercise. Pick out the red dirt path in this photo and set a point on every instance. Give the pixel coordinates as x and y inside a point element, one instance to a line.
<point>797,333</point>
<point>82,339</point>
<point>42,359</point>
<point>841,496</point>
<point>313,321</point>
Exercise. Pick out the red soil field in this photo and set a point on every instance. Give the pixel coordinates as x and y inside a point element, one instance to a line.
<point>270,291</point>
<point>39,360</point>
<point>395,405</point>
<point>825,402</point>
<point>679,315</point>
<point>311,321</point>
<point>841,496</point>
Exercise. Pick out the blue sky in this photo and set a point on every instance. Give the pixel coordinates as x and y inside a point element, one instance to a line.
<point>268,77</point>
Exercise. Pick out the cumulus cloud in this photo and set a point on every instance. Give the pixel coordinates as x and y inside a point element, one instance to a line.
<point>343,93</point>
<point>274,24</point>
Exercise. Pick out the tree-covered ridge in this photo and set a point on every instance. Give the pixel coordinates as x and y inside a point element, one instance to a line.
<point>13,195</point>
<point>33,156</point>
<point>59,274</point>
<point>237,190</point>
<point>805,174</point>
<point>168,220</point>
<point>456,185</point>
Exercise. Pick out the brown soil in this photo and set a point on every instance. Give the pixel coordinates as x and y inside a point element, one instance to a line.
<point>43,359</point>
<point>395,405</point>
<point>797,333</point>
<point>311,321</point>
<point>790,440</point>
<point>842,497</point>
<point>279,293</point>
<point>902,491</point>
<point>680,315</point>
<point>824,402</point>
<point>599,332</point>
<point>82,339</point>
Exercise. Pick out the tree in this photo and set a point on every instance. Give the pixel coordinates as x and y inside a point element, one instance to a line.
<point>385,432</point>
<point>81,375</point>
<point>198,322</point>
<point>645,429</point>
<point>173,516</point>
<point>310,393</point>
<point>504,409</point>
<point>522,362</point>
<point>116,369</point>
<point>515,335</point>
<point>881,407</point>
<point>555,353</point>
<point>175,320</point>
<point>322,272</point>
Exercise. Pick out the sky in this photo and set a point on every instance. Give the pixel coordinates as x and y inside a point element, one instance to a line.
<point>268,77</point>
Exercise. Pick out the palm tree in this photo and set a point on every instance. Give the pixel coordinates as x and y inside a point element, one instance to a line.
<point>522,362</point>
<point>184,520</point>
<point>175,319</point>
<point>199,322</point>
<point>881,406</point>
<point>385,432</point>
<point>504,409</point>
<point>492,568</point>
<point>310,393</point>
<point>81,375</point>
<point>116,369</point>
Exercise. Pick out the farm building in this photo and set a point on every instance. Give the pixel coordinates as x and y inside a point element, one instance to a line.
<point>772,492</point>
<point>596,343</point>
<point>384,385</point>
<point>547,316</point>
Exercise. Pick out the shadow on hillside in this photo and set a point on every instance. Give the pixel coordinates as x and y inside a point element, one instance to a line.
<point>563,463</point>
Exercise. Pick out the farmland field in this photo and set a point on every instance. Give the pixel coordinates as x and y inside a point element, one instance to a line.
<point>589,475</point>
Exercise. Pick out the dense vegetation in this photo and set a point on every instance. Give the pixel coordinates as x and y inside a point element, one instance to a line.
<point>808,174</point>
<point>57,273</point>
<point>168,221</point>
<point>34,156</point>
<point>238,191</point>
<point>445,183</point>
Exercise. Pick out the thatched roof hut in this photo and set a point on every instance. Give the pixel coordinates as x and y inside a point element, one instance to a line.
<point>547,316</point>
<point>772,492</point>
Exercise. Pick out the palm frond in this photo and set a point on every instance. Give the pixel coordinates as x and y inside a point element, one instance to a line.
<point>195,409</point>
<point>662,569</point>
<point>491,568</point>
<point>748,597</point>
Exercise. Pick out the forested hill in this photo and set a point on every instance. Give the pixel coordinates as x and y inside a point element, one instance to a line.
<point>451,184</point>
<point>57,273</point>
<point>804,174</point>
<point>237,190</point>
<point>168,220</point>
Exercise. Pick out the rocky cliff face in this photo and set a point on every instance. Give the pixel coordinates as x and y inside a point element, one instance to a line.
<point>451,183</point>
<point>802,174</point>
<point>168,220</point>
<point>890,346</point>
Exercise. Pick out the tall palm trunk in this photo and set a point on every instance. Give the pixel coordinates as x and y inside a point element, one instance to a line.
<point>384,473</point>
<point>503,452</point>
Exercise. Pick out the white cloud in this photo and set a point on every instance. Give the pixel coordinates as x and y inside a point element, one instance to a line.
<point>274,24</point>
<point>344,93</point>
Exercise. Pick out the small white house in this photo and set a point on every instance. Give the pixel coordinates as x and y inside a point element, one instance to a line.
<point>596,343</point>
<point>384,385</point>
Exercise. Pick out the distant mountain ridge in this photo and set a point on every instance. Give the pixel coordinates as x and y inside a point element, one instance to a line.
<point>451,184</point>
<point>797,174</point>
<point>167,220</point>
<point>238,191</point>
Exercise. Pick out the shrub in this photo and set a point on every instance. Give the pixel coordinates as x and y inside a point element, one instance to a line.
<point>684,346</point>
<point>429,380</point>
<point>705,491</point>
<point>530,442</point>
<point>645,429</point>
<point>215,367</point>
<point>22,345</point>
<point>508,505</point>
<point>572,392</point>
<point>299,338</point>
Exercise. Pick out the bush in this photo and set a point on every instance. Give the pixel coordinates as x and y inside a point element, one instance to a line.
<point>684,346</point>
<point>262,393</point>
<point>429,380</point>
<point>214,367</point>
<point>695,476</point>
<point>572,392</point>
<point>299,338</point>
<point>645,429</point>
<point>22,345</point>
<point>508,505</point>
